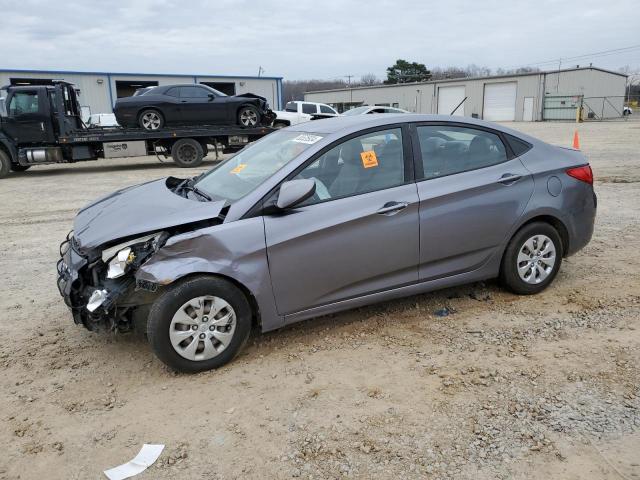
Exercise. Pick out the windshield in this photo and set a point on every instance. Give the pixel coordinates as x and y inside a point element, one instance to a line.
<point>239,175</point>
<point>356,111</point>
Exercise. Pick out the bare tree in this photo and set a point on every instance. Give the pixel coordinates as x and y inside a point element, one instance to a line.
<point>369,79</point>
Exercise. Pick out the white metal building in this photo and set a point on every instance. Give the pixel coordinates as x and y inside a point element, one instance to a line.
<point>535,96</point>
<point>100,90</point>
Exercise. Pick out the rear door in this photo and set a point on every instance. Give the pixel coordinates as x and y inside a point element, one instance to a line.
<point>357,235</point>
<point>472,193</point>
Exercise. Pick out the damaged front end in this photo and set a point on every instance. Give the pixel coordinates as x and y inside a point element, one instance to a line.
<point>99,285</point>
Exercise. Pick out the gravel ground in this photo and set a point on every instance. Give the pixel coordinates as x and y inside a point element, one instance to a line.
<point>501,387</point>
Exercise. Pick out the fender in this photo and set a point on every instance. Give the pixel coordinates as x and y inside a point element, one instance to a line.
<point>236,250</point>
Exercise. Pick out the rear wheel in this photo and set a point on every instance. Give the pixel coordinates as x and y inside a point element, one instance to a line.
<point>199,324</point>
<point>5,164</point>
<point>151,119</point>
<point>248,116</point>
<point>187,152</point>
<point>532,259</point>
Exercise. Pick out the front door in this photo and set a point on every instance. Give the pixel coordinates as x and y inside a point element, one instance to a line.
<point>357,235</point>
<point>27,116</point>
<point>471,196</point>
<point>199,108</point>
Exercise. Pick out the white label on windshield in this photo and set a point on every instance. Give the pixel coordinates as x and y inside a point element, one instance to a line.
<point>306,138</point>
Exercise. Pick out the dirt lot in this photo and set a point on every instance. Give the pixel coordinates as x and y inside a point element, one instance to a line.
<point>503,387</point>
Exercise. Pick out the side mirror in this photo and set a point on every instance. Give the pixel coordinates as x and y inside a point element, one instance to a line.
<point>211,96</point>
<point>294,192</point>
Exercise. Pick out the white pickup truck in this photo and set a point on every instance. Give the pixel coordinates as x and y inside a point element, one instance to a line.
<point>298,112</point>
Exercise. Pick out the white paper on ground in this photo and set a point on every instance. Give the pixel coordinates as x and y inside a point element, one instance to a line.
<point>145,458</point>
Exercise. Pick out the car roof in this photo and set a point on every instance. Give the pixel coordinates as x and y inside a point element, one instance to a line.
<point>343,125</point>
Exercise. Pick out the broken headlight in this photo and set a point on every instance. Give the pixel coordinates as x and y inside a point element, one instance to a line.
<point>121,257</point>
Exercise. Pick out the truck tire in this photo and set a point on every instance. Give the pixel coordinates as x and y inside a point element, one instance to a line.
<point>248,116</point>
<point>19,168</point>
<point>5,164</point>
<point>151,119</point>
<point>187,153</point>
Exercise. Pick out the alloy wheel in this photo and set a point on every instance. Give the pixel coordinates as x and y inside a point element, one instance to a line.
<point>536,259</point>
<point>248,117</point>
<point>151,121</point>
<point>202,328</point>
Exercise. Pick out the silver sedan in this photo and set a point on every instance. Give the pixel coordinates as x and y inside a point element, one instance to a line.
<point>322,217</point>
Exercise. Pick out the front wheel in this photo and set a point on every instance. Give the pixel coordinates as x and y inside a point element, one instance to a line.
<point>199,324</point>
<point>5,164</point>
<point>532,259</point>
<point>248,116</point>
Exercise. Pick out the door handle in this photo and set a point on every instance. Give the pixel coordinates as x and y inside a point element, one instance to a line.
<point>392,208</point>
<point>509,178</point>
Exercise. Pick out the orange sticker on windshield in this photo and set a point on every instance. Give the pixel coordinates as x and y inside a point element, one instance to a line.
<point>239,168</point>
<point>369,159</point>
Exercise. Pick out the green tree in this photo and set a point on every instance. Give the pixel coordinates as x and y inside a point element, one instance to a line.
<point>406,72</point>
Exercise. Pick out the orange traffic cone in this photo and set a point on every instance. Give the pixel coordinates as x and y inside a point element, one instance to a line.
<point>576,141</point>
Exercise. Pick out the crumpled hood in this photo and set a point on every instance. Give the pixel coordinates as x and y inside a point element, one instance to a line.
<point>251,95</point>
<point>137,210</point>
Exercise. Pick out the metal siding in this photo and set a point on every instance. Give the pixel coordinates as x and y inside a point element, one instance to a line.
<point>100,98</point>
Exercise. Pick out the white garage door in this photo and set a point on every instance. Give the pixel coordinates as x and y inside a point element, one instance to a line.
<point>449,98</point>
<point>500,101</point>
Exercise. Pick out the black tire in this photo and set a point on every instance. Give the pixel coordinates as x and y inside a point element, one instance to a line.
<point>187,153</point>
<point>149,114</point>
<point>166,306</point>
<point>248,116</point>
<point>509,276</point>
<point>5,164</point>
<point>19,168</point>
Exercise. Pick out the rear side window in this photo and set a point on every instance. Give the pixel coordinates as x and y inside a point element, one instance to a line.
<point>518,146</point>
<point>309,108</point>
<point>447,150</point>
<point>23,102</point>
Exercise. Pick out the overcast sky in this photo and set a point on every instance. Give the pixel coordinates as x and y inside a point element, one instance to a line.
<point>303,39</point>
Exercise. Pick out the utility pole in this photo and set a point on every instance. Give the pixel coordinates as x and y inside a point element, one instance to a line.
<point>260,70</point>
<point>558,80</point>
<point>349,77</point>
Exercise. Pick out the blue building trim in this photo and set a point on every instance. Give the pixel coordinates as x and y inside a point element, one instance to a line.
<point>130,74</point>
<point>110,91</point>
<point>280,94</point>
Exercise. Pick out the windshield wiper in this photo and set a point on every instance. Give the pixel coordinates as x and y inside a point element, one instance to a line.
<point>189,184</point>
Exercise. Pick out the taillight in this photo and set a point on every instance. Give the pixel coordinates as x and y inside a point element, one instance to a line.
<point>584,174</point>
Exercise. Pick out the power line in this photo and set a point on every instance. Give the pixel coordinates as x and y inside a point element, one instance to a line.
<point>602,53</point>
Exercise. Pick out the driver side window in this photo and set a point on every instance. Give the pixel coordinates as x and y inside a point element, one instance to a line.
<point>23,102</point>
<point>362,164</point>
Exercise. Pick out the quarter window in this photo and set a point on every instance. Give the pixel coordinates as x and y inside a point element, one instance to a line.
<point>23,102</point>
<point>309,108</point>
<point>363,164</point>
<point>447,149</point>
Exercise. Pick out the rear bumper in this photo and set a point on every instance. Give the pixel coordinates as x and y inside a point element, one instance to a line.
<point>582,223</point>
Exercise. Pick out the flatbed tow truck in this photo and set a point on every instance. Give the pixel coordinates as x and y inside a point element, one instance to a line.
<point>42,124</point>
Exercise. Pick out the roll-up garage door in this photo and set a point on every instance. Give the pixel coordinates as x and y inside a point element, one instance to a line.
<point>500,101</point>
<point>449,98</point>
